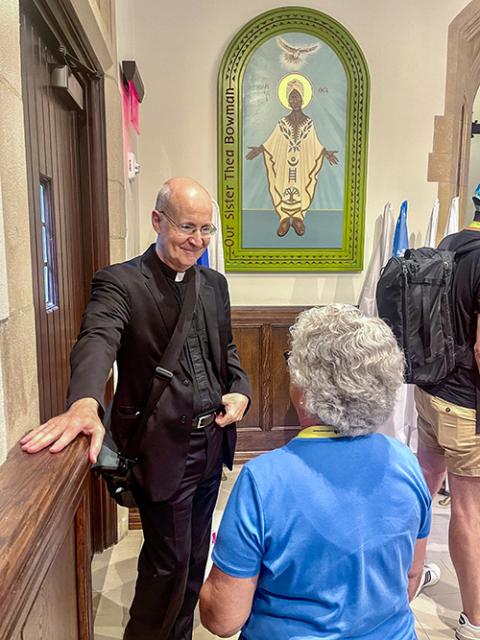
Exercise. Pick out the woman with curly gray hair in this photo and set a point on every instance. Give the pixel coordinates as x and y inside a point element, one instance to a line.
<point>347,366</point>
<point>325,537</point>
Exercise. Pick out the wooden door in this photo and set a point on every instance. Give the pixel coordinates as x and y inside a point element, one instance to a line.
<point>67,181</point>
<point>55,181</point>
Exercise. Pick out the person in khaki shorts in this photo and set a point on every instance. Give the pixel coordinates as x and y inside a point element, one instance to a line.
<point>448,441</point>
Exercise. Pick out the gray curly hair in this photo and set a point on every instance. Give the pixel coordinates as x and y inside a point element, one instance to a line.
<point>348,366</point>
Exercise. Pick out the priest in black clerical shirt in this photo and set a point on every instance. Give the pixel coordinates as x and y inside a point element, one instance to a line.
<point>132,313</point>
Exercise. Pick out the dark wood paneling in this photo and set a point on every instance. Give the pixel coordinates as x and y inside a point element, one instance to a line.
<point>45,544</point>
<point>283,412</point>
<point>249,344</point>
<point>94,196</point>
<point>134,521</point>
<point>262,336</point>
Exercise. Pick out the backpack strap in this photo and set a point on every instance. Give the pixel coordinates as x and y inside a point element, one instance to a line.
<point>426,323</point>
<point>466,356</point>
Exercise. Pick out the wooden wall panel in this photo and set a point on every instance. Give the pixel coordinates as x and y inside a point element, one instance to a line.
<point>262,337</point>
<point>249,344</point>
<point>46,619</point>
<point>283,412</point>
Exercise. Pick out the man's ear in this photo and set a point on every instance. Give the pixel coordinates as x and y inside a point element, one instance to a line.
<point>156,219</point>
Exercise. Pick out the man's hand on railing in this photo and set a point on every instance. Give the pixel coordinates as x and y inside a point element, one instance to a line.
<point>81,417</point>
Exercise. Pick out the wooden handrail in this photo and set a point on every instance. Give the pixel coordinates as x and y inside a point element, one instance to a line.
<point>39,497</point>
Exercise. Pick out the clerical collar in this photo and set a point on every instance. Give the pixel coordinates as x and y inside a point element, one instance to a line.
<point>176,276</point>
<point>318,431</point>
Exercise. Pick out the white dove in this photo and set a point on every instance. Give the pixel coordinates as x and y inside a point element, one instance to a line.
<point>295,57</point>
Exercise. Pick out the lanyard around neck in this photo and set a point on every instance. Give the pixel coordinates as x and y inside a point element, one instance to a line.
<point>318,431</point>
<point>475,225</point>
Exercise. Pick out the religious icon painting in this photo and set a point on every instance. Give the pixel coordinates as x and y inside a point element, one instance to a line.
<point>292,141</point>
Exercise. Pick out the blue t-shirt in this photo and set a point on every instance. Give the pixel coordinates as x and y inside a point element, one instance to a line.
<point>330,525</point>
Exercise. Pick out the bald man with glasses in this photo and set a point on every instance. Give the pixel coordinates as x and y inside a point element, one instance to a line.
<point>130,318</point>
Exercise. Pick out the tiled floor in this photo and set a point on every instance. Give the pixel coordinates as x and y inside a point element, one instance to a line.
<point>436,610</point>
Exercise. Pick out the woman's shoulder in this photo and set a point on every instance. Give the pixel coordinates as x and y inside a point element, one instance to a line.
<point>395,443</point>
<point>268,465</point>
<point>382,439</point>
<point>400,454</point>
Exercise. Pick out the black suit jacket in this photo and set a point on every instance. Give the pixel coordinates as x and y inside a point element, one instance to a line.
<point>127,320</point>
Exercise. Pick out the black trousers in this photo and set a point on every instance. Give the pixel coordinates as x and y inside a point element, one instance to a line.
<point>177,533</point>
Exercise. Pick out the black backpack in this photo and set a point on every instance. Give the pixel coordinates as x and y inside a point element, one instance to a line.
<point>414,298</point>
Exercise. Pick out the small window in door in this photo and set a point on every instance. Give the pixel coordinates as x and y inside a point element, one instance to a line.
<point>48,245</point>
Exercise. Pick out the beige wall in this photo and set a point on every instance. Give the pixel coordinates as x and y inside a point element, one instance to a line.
<point>98,20</point>
<point>179,51</point>
<point>99,24</point>
<point>126,51</point>
<point>110,36</point>
<point>18,368</point>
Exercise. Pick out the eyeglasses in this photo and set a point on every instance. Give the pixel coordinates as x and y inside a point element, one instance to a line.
<point>188,229</point>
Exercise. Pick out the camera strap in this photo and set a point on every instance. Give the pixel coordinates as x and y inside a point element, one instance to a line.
<point>164,371</point>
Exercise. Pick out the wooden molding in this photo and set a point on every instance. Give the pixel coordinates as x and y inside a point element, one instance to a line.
<point>83,548</point>
<point>243,316</point>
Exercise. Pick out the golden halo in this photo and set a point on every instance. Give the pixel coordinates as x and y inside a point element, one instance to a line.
<point>282,89</point>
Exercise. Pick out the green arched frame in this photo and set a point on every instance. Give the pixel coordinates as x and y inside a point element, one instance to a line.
<point>350,256</point>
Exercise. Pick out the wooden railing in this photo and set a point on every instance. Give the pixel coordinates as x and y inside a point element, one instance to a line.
<point>45,545</point>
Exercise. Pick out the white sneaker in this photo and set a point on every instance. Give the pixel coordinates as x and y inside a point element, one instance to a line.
<point>466,630</point>
<point>431,575</point>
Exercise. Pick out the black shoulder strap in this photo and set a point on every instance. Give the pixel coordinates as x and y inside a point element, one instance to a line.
<point>175,345</point>
<point>163,372</point>
<point>465,352</point>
